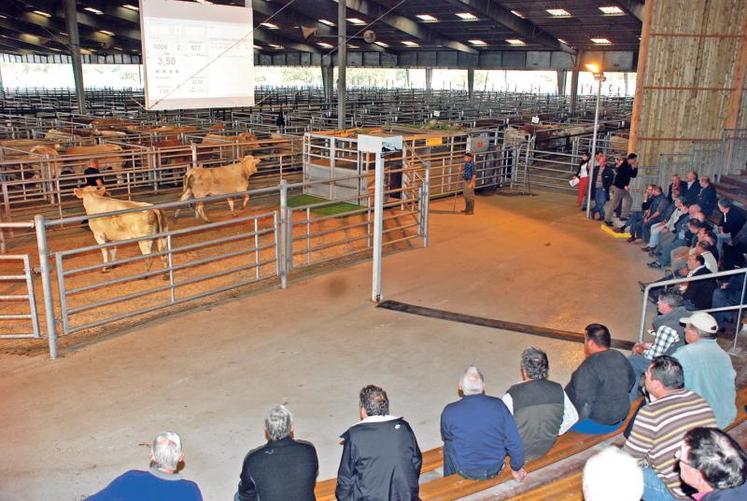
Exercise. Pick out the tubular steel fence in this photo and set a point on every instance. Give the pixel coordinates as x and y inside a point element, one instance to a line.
<point>28,297</point>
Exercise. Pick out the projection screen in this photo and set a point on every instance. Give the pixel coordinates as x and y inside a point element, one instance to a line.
<point>196,55</point>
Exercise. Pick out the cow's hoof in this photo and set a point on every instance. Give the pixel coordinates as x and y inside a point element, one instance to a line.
<point>105,270</point>
<point>164,277</point>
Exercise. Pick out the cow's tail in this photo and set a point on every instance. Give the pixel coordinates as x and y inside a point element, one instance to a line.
<point>162,226</point>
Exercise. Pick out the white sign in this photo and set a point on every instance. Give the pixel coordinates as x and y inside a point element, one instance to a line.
<point>377,144</point>
<point>196,55</point>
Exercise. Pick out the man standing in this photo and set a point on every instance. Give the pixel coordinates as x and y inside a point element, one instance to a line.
<point>660,426</point>
<point>708,369</point>
<point>470,180</point>
<point>600,387</point>
<point>93,174</point>
<point>380,459</point>
<point>602,176</point>
<point>281,469</point>
<point>627,170</point>
<point>478,432</point>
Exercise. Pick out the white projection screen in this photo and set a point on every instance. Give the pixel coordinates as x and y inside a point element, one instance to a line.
<point>196,55</point>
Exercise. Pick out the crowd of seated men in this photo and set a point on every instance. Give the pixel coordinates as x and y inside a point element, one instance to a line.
<point>674,445</point>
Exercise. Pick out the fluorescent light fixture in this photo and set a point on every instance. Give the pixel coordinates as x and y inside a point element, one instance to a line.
<point>562,41</point>
<point>63,33</point>
<point>601,41</point>
<point>117,48</point>
<point>478,43</point>
<point>269,25</point>
<point>558,12</point>
<point>325,45</point>
<point>131,7</point>
<point>42,13</point>
<point>351,46</point>
<point>4,17</point>
<point>258,47</point>
<point>427,18</point>
<point>515,41</point>
<point>106,32</point>
<point>612,11</point>
<point>382,44</point>
<point>466,16</point>
<point>275,46</point>
<point>410,44</point>
<point>517,14</point>
<point>594,68</point>
<point>93,11</point>
<point>355,20</point>
<point>327,22</point>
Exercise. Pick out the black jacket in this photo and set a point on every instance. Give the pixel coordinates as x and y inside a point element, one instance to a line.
<point>707,199</point>
<point>380,462</point>
<point>700,292</point>
<point>279,471</point>
<point>581,164</point>
<point>682,187</point>
<point>624,174</point>
<point>691,194</point>
<point>538,413</point>
<point>600,387</point>
<point>608,174</point>
<point>733,222</point>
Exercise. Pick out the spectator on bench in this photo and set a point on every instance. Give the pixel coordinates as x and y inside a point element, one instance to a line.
<point>731,222</point>
<point>600,386</point>
<point>698,294</point>
<point>478,431</point>
<point>675,213</point>
<point>540,407</point>
<point>708,369</point>
<point>669,334</point>
<point>612,475</point>
<point>707,196</point>
<point>714,464</point>
<point>676,188</point>
<point>635,220</point>
<point>381,459</point>
<point>283,468</point>
<point>682,236</point>
<point>161,482</point>
<point>692,188</point>
<point>729,292</point>
<point>660,426</point>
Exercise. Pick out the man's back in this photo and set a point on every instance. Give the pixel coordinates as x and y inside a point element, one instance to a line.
<point>380,461</point>
<point>482,431</point>
<point>278,471</point>
<point>538,412</point>
<point>709,373</point>
<point>136,485</point>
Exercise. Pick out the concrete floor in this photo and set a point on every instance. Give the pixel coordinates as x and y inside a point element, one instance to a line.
<point>70,426</point>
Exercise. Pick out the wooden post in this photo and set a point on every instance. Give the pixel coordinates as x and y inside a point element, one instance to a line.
<point>635,121</point>
<point>735,102</point>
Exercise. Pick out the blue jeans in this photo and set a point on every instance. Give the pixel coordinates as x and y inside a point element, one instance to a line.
<point>647,228</point>
<point>665,253</point>
<point>639,364</point>
<point>635,222</point>
<point>451,466</point>
<point>654,488</point>
<point>600,198</point>
<point>589,427</point>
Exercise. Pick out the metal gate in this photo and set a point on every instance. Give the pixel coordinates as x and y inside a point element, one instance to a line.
<point>11,310</point>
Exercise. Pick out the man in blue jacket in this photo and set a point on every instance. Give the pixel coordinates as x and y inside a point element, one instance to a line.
<point>478,432</point>
<point>707,196</point>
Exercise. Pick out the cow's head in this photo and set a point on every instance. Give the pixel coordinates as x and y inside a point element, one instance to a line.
<point>249,165</point>
<point>89,190</point>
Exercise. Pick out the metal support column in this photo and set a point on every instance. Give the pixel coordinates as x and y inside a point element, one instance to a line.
<point>378,227</point>
<point>71,19</point>
<point>574,90</point>
<point>342,62</point>
<point>562,75</point>
<point>470,81</point>
<point>428,79</point>
<point>327,82</point>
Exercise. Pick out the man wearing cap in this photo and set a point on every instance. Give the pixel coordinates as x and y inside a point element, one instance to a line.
<point>708,369</point>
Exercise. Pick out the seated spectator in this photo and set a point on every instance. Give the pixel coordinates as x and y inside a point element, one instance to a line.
<point>635,221</point>
<point>707,196</point>
<point>676,188</point>
<point>676,212</point>
<point>698,293</point>
<point>600,386</point>
<point>692,188</point>
<point>161,482</point>
<point>283,468</point>
<point>729,292</point>
<point>612,475</point>
<point>657,213</point>
<point>381,458</point>
<point>714,464</point>
<point>708,369</point>
<point>660,426</point>
<point>731,222</point>
<point>683,238</point>
<point>478,432</point>
<point>541,409</point>
<point>669,334</point>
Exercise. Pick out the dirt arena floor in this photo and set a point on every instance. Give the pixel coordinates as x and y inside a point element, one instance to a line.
<point>212,371</point>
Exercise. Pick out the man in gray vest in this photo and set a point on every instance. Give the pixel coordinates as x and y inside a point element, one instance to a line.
<point>541,409</point>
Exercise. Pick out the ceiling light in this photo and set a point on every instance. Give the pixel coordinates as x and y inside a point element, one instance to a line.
<point>42,13</point>
<point>4,17</point>
<point>351,46</point>
<point>601,41</point>
<point>594,68</point>
<point>275,46</point>
<point>327,22</point>
<point>269,25</point>
<point>106,32</point>
<point>131,7</point>
<point>382,44</point>
<point>117,48</point>
<point>558,12</point>
<point>355,20</point>
<point>478,43</point>
<point>612,11</point>
<point>325,45</point>
<point>410,44</point>
<point>515,41</point>
<point>63,33</point>
<point>466,16</point>
<point>258,47</point>
<point>517,14</point>
<point>93,11</point>
<point>562,41</point>
<point>427,18</point>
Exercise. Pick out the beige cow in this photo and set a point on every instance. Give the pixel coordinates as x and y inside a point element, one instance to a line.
<point>123,226</point>
<point>108,155</point>
<point>225,143</point>
<point>202,182</point>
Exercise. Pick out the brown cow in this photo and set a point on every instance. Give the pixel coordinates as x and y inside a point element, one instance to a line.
<point>224,142</point>
<point>108,155</point>
<point>123,226</point>
<point>202,182</point>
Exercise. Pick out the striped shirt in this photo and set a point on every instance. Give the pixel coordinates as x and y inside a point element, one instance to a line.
<point>659,430</point>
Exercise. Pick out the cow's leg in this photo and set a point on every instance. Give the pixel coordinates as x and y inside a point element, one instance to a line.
<point>200,211</point>
<point>231,206</point>
<point>185,196</point>
<point>101,239</point>
<point>113,256</point>
<point>146,248</point>
<point>246,201</point>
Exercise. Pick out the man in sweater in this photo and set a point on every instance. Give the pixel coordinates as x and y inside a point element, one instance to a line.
<point>281,469</point>
<point>478,432</point>
<point>660,426</point>
<point>540,407</point>
<point>620,191</point>
<point>708,369</point>
<point>160,482</point>
<point>600,387</point>
<point>381,459</point>
<point>714,464</point>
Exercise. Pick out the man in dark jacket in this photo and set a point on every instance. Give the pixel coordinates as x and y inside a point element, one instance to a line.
<point>281,469</point>
<point>380,459</point>
<point>601,187</point>
<point>714,464</point>
<point>692,188</point>
<point>707,196</point>
<point>676,187</point>
<point>698,294</point>
<point>620,193</point>
<point>478,432</point>
<point>600,387</point>
<point>732,219</point>
<point>541,409</point>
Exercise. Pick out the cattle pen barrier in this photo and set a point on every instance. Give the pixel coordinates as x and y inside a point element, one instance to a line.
<point>263,245</point>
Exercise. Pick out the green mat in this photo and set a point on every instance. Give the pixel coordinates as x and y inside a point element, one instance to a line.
<point>324,210</point>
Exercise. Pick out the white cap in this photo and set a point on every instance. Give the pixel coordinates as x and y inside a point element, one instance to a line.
<point>701,320</point>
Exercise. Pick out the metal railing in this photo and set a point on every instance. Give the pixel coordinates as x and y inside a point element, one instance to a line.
<point>27,297</point>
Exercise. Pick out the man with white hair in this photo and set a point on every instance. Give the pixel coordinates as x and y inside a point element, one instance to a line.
<point>478,431</point>
<point>612,475</point>
<point>283,468</point>
<point>161,482</point>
